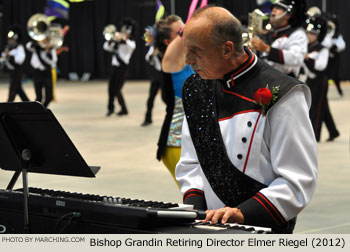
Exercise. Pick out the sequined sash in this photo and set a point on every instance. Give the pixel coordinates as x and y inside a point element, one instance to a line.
<point>228,182</point>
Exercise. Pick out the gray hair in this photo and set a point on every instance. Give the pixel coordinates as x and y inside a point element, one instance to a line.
<point>223,28</point>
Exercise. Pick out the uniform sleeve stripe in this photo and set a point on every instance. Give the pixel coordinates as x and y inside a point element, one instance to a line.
<point>273,217</point>
<point>193,192</point>
<point>276,55</point>
<point>280,52</point>
<point>272,207</point>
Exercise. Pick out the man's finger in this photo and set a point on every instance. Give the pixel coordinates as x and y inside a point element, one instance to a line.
<point>228,214</point>
<point>209,215</point>
<point>218,215</point>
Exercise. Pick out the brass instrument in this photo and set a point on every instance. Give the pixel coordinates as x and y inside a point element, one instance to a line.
<point>110,33</point>
<point>4,57</point>
<point>40,29</point>
<point>331,27</point>
<point>314,11</point>
<point>55,35</point>
<point>5,54</point>
<point>255,25</point>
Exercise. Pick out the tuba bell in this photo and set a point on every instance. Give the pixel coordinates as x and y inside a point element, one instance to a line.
<point>40,28</point>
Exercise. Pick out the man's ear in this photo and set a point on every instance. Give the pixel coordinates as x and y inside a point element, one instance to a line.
<point>228,49</point>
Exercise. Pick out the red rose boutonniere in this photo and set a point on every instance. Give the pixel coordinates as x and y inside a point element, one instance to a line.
<point>264,97</point>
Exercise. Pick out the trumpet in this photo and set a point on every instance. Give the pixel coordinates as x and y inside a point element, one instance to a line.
<point>110,33</point>
<point>40,29</point>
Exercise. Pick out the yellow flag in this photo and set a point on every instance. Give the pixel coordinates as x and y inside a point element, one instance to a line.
<point>160,12</point>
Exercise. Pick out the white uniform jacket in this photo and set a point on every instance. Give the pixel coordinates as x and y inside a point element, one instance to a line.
<point>288,49</point>
<point>329,41</point>
<point>42,60</point>
<point>317,61</point>
<point>16,56</point>
<point>123,50</point>
<point>153,59</point>
<point>277,150</point>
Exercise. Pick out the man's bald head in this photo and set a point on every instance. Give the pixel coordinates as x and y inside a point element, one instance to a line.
<point>213,43</point>
<point>219,24</point>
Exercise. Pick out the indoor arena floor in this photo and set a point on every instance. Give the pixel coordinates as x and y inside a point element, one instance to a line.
<point>126,152</point>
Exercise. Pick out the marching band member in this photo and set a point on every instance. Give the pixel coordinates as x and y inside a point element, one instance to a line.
<point>153,58</point>
<point>334,41</point>
<point>314,67</point>
<point>43,59</point>
<point>122,49</point>
<point>286,45</point>
<point>13,58</point>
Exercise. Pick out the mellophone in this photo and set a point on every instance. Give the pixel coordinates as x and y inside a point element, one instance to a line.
<point>53,211</point>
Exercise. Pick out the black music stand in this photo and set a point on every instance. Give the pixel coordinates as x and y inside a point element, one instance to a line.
<point>32,140</point>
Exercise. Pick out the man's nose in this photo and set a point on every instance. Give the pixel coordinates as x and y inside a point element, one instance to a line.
<point>189,59</point>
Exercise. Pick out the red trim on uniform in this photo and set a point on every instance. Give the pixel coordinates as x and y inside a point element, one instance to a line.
<point>280,52</point>
<point>193,195</point>
<point>241,112</point>
<point>250,144</point>
<point>196,190</point>
<point>240,70</point>
<point>273,217</point>
<point>232,81</point>
<point>236,94</point>
<point>272,206</point>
